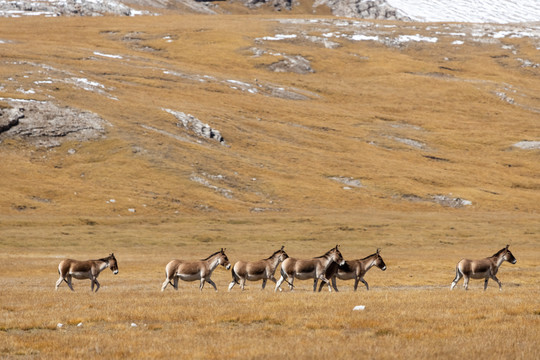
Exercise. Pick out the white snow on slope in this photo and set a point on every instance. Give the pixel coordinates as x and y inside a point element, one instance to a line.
<point>478,11</point>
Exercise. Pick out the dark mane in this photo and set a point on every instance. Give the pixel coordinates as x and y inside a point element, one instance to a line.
<point>275,252</point>
<point>217,252</point>
<point>107,258</point>
<point>499,252</point>
<point>367,257</point>
<point>328,252</point>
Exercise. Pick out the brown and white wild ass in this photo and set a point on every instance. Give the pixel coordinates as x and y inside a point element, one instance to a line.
<point>483,268</point>
<point>354,269</point>
<point>257,270</point>
<point>195,270</point>
<point>88,269</point>
<point>315,268</point>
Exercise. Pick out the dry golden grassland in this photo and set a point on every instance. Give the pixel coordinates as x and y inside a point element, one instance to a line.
<point>410,311</point>
<point>408,121</point>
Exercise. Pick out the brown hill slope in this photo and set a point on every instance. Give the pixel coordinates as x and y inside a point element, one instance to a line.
<point>313,116</point>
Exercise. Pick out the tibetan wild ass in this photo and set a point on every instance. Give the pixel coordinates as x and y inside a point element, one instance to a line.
<point>195,270</point>
<point>483,268</point>
<point>88,269</point>
<point>314,268</point>
<point>354,269</point>
<point>257,270</point>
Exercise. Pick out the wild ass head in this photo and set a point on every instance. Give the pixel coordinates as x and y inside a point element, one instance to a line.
<point>508,256</point>
<point>336,256</point>
<point>379,262</point>
<point>223,259</point>
<point>113,264</point>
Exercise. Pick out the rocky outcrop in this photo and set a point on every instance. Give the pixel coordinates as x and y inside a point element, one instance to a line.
<point>200,129</point>
<point>10,118</point>
<point>365,9</point>
<point>44,124</point>
<point>368,9</point>
<point>65,8</point>
<point>296,64</point>
<point>277,4</point>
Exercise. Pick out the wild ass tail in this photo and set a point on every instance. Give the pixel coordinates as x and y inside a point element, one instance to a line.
<point>456,279</point>
<point>235,276</point>
<point>60,273</point>
<point>457,274</point>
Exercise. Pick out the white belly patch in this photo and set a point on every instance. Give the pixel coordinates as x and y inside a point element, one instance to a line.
<point>80,275</point>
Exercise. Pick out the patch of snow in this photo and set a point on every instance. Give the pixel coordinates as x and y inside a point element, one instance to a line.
<point>417,38</point>
<point>477,11</point>
<point>279,37</point>
<point>21,90</point>
<point>413,143</point>
<point>108,55</point>
<point>359,37</point>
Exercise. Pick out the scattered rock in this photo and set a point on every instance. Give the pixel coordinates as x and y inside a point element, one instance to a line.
<point>203,180</point>
<point>366,9</point>
<point>65,8</point>
<point>450,201</point>
<point>443,200</point>
<point>200,129</point>
<point>348,181</point>
<point>45,124</point>
<point>10,118</point>
<point>296,64</point>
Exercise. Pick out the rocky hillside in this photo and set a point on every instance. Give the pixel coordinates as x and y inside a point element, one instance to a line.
<point>178,114</point>
<point>370,9</point>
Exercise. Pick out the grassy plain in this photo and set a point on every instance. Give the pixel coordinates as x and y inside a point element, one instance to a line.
<point>366,103</point>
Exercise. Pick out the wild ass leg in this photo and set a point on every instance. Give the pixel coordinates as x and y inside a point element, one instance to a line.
<point>242,283</point>
<point>466,282</point>
<point>321,286</point>
<point>212,283</point>
<point>281,280</point>
<point>59,282</point>
<point>290,281</point>
<point>278,283</point>
<point>365,283</point>
<point>97,284</point>
<point>68,281</point>
<point>324,280</point>
<point>165,283</point>
<point>497,280</point>
<point>202,284</point>
<point>334,284</point>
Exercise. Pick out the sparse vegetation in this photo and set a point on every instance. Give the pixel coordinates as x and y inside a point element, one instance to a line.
<point>132,192</point>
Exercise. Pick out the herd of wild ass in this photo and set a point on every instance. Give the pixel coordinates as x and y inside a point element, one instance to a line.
<point>327,268</point>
